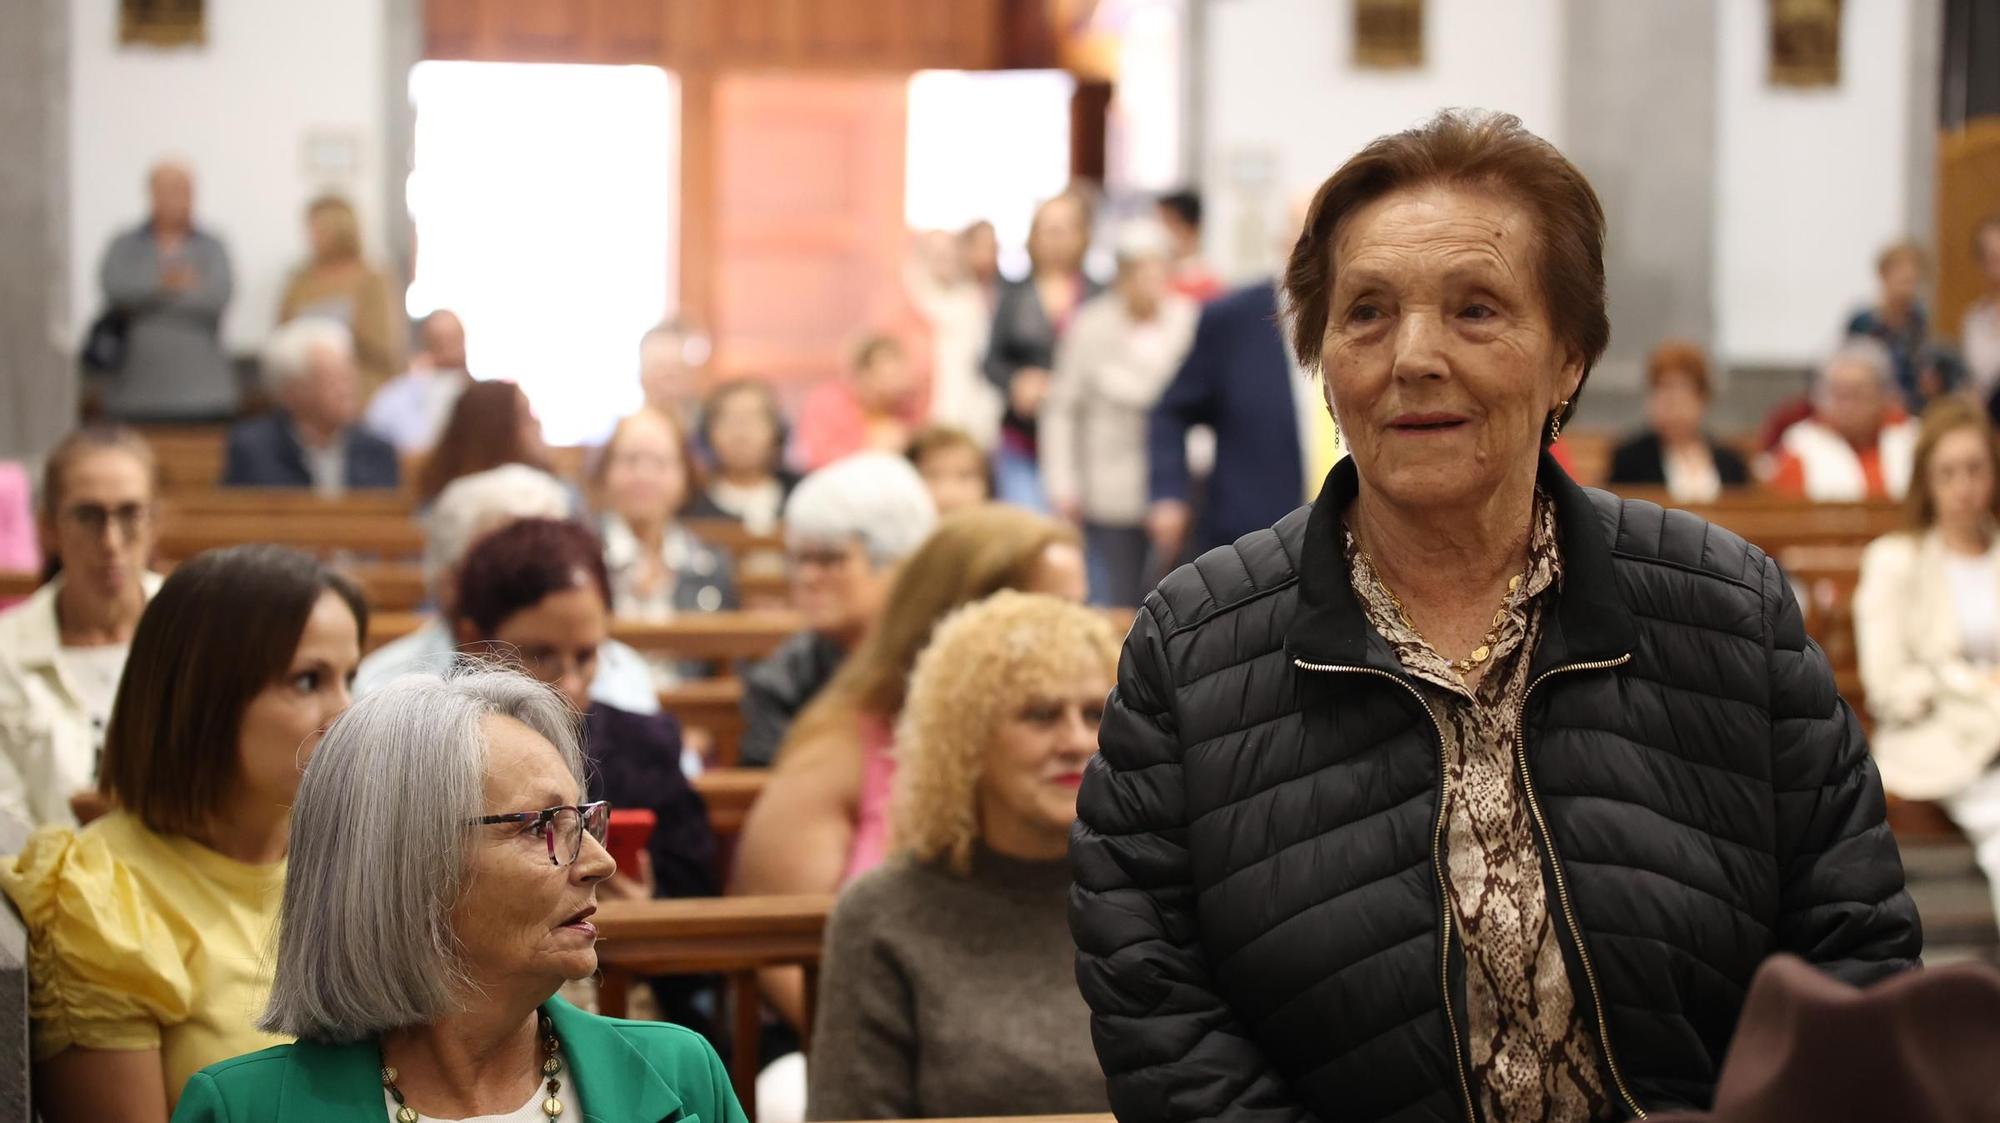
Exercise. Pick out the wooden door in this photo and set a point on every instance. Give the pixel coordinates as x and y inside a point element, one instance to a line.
<point>808,228</point>
<point>1968,192</point>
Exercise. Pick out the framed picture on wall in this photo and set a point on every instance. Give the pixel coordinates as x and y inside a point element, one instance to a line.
<point>1805,43</point>
<point>161,23</point>
<point>1388,34</point>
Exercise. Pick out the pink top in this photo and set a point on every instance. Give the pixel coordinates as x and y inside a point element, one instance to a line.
<point>833,426</point>
<point>871,816</point>
<point>18,552</point>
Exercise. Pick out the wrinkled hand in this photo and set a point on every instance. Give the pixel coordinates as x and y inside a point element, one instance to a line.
<point>1029,388</point>
<point>636,886</point>
<point>1167,524</point>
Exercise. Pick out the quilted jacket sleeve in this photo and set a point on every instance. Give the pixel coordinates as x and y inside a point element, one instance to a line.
<point>1843,906</point>
<point>1170,1047</point>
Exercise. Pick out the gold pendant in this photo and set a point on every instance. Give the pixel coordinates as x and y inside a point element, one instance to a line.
<point>552,1107</point>
<point>406,1114</point>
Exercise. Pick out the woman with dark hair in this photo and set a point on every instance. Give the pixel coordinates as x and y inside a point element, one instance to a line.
<point>64,649</point>
<point>1674,452</point>
<point>492,424</point>
<point>147,928</point>
<point>535,592</point>
<point>744,430</point>
<point>1464,792</point>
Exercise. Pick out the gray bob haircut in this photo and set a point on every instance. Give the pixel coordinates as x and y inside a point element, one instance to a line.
<point>875,497</point>
<point>380,842</point>
<point>287,355</point>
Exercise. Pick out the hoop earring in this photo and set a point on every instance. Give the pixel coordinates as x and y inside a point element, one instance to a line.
<point>1556,422</point>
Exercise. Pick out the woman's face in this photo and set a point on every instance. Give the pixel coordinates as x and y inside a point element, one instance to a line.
<point>325,232</point>
<point>557,640</point>
<point>1142,283</point>
<point>1034,765</point>
<point>521,919</point>
<point>104,526</point>
<point>741,434</point>
<point>1057,239</point>
<point>955,476</point>
<point>1674,406</point>
<point>1902,280</point>
<point>1441,364</point>
<point>1960,476</point>
<point>884,384</point>
<point>284,722</point>
<point>645,479</point>
<point>1060,573</point>
<point>837,588</point>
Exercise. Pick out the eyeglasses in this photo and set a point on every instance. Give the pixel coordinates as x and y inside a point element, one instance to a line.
<point>562,828</point>
<point>92,518</point>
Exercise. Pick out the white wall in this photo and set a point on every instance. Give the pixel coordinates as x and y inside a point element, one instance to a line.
<point>1809,183</point>
<point>240,110</point>
<point>1284,105</point>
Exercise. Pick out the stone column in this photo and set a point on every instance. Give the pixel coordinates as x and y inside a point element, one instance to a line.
<point>38,382</point>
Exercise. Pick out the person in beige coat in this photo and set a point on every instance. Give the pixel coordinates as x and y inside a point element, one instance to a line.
<point>1927,623</point>
<point>1118,356</point>
<point>62,651</point>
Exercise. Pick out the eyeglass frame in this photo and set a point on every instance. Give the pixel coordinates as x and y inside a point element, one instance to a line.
<point>130,520</point>
<point>547,816</point>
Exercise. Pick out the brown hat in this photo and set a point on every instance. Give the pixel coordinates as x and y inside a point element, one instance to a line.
<point>1922,1047</point>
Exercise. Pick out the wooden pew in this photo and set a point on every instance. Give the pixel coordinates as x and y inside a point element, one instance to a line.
<point>729,793</point>
<point>734,937</point>
<point>715,708</point>
<point>325,535</point>
<point>718,636</point>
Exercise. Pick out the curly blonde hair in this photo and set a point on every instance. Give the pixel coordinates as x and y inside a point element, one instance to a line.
<point>983,662</point>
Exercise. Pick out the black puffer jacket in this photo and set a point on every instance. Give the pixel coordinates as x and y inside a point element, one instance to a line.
<point>1258,907</point>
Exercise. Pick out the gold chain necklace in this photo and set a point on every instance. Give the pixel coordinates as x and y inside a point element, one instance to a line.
<point>1479,654</point>
<point>551,1068</point>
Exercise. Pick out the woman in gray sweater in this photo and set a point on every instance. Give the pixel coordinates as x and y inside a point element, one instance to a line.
<point>949,979</point>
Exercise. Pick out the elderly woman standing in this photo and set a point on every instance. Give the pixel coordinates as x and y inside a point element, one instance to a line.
<point>1465,791</point>
<point>447,869</point>
<point>950,986</point>
<point>1119,355</point>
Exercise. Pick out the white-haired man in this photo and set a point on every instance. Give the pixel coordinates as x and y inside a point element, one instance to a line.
<point>846,528</point>
<point>1858,444</point>
<point>470,508</point>
<point>310,439</point>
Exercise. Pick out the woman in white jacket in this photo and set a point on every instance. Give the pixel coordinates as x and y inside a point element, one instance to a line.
<point>1927,623</point>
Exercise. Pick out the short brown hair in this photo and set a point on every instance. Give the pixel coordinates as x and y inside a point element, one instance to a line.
<point>1679,356</point>
<point>1477,149</point>
<point>940,438</point>
<point>1942,418</point>
<point>84,442</point>
<point>1902,251</point>
<point>517,567</point>
<point>222,627</point>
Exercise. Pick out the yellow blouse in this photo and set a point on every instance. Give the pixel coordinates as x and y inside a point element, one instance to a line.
<point>138,940</point>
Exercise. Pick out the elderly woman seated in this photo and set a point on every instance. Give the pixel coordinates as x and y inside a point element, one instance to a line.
<point>1858,444</point>
<point>950,985</point>
<point>446,870</point>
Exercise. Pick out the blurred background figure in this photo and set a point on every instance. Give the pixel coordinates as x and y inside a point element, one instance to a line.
<point>64,649</point>
<point>670,369</point>
<point>1858,443</point>
<point>1029,318</point>
<point>336,282</point>
<point>950,975</point>
<point>847,527</point>
<point>1979,335</point>
<point>468,509</point>
<point>1927,627</point>
<point>410,410</point>
<point>953,467</point>
<point>149,926</point>
<point>1119,355</point>
<point>875,409</point>
<point>491,424</point>
<point>1192,276</point>
<point>311,440</point>
<point>1899,323</point>
<point>824,817</point>
<point>743,429</point>
<point>1674,451</point>
<point>165,284</point>
<point>955,298</point>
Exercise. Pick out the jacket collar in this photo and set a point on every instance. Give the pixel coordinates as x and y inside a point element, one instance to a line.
<point>1590,621</point>
<point>613,1079</point>
<point>35,637</point>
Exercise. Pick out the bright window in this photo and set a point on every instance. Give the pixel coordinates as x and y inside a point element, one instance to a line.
<point>986,144</point>
<point>544,200</point>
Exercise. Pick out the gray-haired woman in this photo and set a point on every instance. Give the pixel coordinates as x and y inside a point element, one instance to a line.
<point>443,882</point>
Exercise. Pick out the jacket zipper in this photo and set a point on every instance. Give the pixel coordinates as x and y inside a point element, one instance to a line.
<point>1562,883</point>
<point>1437,869</point>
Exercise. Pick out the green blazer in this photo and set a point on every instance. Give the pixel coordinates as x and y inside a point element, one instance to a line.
<point>625,1072</point>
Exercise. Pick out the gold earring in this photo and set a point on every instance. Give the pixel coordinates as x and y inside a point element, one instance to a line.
<point>1556,422</point>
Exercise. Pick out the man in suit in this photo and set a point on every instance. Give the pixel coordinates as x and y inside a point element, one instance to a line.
<point>311,439</point>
